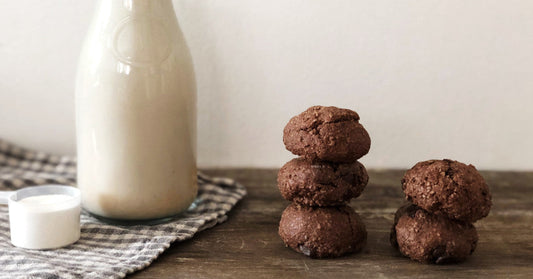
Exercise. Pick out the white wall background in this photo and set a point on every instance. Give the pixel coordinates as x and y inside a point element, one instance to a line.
<point>430,79</point>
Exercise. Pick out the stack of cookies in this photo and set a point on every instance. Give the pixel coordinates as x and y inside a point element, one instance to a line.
<point>320,183</point>
<point>445,197</point>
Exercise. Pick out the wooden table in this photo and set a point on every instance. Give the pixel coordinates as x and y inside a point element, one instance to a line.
<point>248,245</point>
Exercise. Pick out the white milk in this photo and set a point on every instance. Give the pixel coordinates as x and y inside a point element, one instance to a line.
<point>136,113</point>
<point>53,199</point>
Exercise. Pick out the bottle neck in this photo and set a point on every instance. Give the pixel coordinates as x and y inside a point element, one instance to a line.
<point>142,33</point>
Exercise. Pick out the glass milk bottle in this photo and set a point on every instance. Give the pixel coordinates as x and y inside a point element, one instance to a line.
<point>136,113</point>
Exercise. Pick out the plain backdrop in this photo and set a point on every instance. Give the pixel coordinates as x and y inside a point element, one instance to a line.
<point>430,79</point>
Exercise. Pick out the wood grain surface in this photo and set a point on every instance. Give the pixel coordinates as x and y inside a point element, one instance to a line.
<point>248,246</point>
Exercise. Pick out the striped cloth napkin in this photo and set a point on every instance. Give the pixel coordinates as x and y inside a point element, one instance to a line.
<point>104,250</point>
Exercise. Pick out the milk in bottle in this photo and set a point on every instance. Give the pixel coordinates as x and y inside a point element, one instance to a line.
<point>136,113</point>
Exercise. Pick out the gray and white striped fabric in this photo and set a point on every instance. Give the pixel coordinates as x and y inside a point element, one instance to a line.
<point>103,251</point>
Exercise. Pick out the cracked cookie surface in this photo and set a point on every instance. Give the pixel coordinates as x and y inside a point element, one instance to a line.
<point>322,232</point>
<point>321,184</point>
<point>327,134</point>
<point>448,188</point>
<point>430,238</point>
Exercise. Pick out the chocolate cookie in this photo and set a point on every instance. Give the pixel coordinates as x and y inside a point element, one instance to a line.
<point>430,238</point>
<point>321,184</point>
<point>449,188</point>
<point>327,134</point>
<point>322,232</point>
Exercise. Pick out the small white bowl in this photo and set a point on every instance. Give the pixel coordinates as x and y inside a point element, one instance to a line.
<point>43,217</point>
